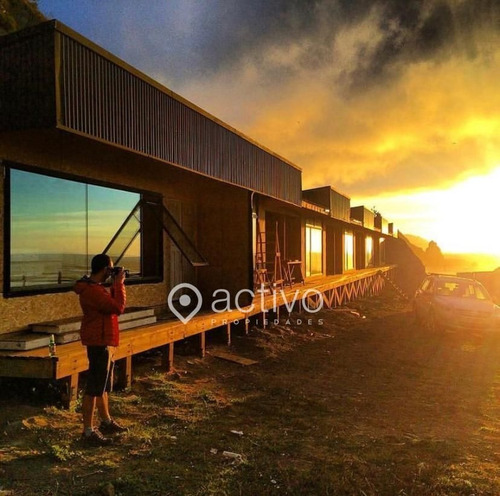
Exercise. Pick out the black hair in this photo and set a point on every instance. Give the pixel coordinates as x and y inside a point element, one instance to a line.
<point>99,262</point>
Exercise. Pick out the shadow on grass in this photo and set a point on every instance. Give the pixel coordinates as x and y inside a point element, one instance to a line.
<point>373,405</point>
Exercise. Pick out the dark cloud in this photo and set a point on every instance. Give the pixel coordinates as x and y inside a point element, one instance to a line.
<point>188,40</point>
<point>436,31</point>
<point>411,31</point>
<point>219,33</point>
<point>415,31</point>
<point>407,36</point>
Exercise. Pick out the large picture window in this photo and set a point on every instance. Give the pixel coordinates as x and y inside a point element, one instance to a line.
<point>56,225</point>
<point>314,250</point>
<point>348,251</point>
<point>381,249</point>
<point>368,251</point>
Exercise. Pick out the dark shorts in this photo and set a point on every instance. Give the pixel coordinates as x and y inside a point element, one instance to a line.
<point>100,371</point>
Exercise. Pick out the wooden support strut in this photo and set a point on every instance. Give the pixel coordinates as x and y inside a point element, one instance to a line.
<point>203,342</point>
<point>167,361</point>
<point>124,371</point>
<point>70,392</point>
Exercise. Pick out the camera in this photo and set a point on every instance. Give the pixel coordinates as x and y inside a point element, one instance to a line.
<point>116,270</point>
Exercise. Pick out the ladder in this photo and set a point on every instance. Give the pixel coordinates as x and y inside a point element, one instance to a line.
<point>261,276</point>
<point>278,279</point>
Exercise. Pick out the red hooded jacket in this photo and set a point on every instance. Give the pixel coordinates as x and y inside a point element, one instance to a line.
<point>100,311</point>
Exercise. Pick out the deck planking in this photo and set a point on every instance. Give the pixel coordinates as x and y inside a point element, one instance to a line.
<point>71,358</point>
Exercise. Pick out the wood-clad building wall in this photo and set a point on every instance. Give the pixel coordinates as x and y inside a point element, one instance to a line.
<point>73,110</point>
<point>222,228</point>
<point>58,79</point>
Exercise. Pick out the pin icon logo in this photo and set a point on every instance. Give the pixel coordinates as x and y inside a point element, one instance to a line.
<point>184,301</point>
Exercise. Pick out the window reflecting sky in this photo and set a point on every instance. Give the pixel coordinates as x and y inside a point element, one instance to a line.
<point>53,215</point>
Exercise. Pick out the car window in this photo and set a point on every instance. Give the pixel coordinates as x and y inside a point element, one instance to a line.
<point>426,285</point>
<point>461,289</point>
<point>470,291</point>
<point>481,293</point>
<point>445,288</point>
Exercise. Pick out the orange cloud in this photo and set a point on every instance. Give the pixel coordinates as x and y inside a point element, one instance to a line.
<point>434,122</point>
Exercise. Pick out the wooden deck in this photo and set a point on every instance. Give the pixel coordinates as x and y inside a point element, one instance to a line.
<point>71,358</point>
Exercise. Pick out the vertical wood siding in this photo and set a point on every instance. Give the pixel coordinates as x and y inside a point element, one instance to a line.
<point>340,206</point>
<point>101,99</point>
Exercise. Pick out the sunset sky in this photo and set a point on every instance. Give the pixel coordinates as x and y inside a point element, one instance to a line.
<point>394,103</point>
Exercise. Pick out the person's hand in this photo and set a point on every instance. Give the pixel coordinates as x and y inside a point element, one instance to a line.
<point>120,277</point>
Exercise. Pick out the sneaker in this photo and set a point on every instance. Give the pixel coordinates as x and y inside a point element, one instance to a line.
<point>112,427</point>
<point>96,439</point>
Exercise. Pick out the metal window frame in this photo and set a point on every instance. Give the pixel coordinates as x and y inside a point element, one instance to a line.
<point>121,228</point>
<point>8,292</point>
<point>179,237</point>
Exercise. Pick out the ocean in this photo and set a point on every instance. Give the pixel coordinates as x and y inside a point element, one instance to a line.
<point>28,270</point>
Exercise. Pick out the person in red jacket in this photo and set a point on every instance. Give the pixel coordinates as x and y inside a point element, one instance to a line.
<point>100,334</point>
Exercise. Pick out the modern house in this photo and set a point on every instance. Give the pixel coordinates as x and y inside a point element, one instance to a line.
<point>98,157</point>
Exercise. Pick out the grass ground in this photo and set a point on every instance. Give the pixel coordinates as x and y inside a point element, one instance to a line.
<point>368,403</point>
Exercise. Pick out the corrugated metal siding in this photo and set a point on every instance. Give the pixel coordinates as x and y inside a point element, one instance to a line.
<point>105,101</point>
<point>326,197</point>
<point>340,206</point>
<point>369,219</point>
<point>365,216</point>
<point>27,82</point>
<point>318,196</point>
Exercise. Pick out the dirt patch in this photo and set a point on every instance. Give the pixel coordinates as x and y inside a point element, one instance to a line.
<point>359,401</point>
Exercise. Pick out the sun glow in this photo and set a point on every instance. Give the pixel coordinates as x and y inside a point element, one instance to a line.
<point>461,219</point>
<point>466,215</point>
